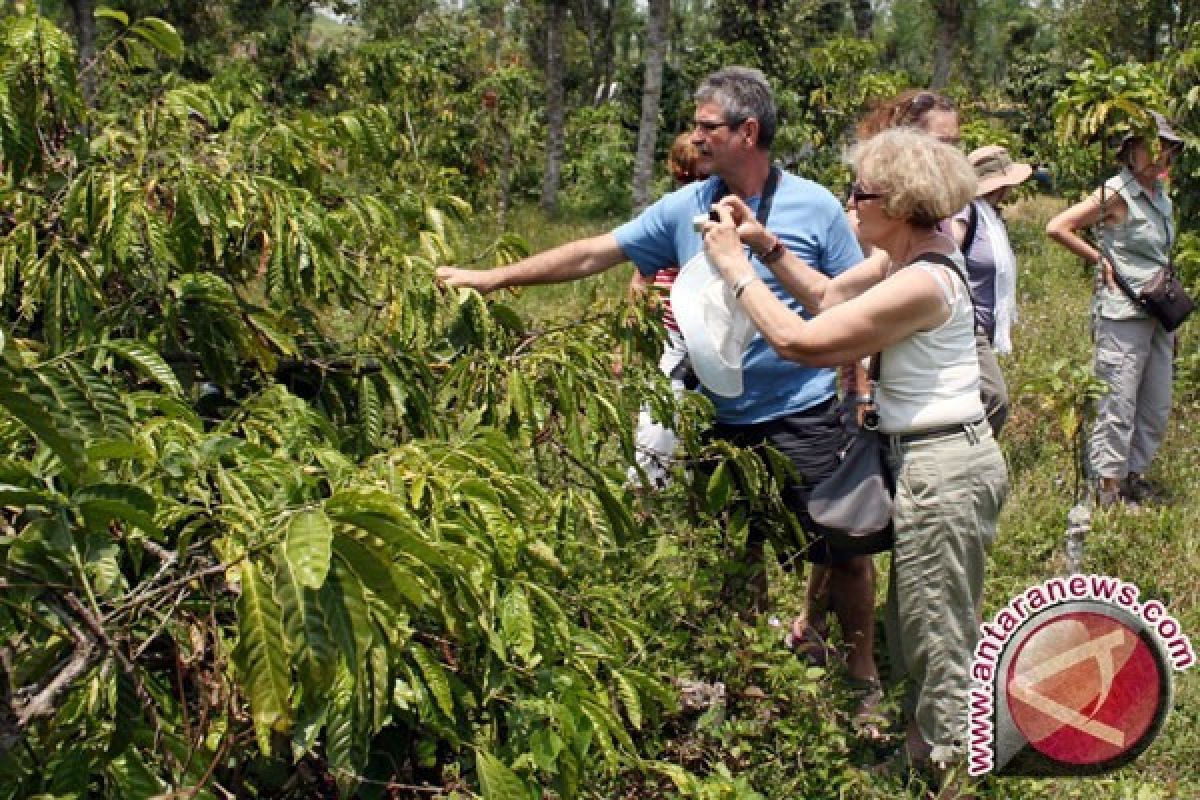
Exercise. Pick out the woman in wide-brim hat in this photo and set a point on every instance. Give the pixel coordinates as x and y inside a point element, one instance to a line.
<point>983,239</point>
<point>1133,351</point>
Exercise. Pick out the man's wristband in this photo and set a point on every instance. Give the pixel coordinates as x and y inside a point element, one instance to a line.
<point>773,253</point>
<point>741,285</point>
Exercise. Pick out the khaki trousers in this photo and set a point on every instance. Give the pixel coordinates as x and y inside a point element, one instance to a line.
<point>1133,356</point>
<point>949,491</point>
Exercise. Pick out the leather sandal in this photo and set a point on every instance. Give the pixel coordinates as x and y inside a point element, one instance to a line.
<point>808,645</point>
<point>868,719</point>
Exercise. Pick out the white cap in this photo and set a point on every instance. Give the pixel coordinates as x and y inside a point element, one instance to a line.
<point>714,326</point>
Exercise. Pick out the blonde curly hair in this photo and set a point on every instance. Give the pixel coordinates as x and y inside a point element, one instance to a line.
<point>921,179</point>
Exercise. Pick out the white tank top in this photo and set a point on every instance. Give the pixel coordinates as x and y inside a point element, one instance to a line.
<point>931,379</point>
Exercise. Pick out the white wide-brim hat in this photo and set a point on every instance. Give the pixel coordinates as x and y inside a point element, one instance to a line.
<point>715,328</point>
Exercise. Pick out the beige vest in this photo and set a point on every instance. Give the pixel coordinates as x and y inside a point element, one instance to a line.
<point>1140,246</point>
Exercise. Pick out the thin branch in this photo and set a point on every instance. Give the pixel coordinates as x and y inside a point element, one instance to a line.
<point>42,704</point>
<point>139,688</point>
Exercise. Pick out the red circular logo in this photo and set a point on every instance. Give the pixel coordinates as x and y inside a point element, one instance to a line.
<point>1083,688</point>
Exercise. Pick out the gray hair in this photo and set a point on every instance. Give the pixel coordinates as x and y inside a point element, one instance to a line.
<point>742,93</point>
<point>921,179</point>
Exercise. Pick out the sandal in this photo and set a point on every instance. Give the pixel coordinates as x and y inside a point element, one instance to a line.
<point>808,645</point>
<point>902,766</point>
<point>868,720</point>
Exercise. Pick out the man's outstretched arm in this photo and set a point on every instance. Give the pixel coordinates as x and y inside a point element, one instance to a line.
<point>568,262</point>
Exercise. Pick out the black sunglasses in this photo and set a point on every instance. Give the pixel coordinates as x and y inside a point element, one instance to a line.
<point>858,194</point>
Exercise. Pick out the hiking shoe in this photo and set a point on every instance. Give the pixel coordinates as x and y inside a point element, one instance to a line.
<point>1136,489</point>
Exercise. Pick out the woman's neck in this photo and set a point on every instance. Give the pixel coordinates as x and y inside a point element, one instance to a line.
<point>1146,178</point>
<point>1148,182</point>
<point>911,242</point>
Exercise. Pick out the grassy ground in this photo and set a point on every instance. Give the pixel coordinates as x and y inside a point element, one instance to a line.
<point>783,733</point>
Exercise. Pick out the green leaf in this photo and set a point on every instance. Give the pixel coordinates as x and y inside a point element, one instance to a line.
<point>435,678</point>
<point>20,496</point>
<point>160,34</point>
<point>399,532</point>
<point>545,745</point>
<point>308,547</point>
<point>372,566</point>
<point>517,623</point>
<point>147,361</point>
<point>630,698</point>
<point>102,502</point>
<point>497,781</point>
<point>39,410</point>
<point>113,14</point>
<point>260,656</point>
<point>311,647</point>
<point>720,489</point>
<point>345,739</point>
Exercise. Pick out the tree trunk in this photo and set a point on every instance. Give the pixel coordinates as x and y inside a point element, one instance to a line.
<point>608,44</point>
<point>83,13</point>
<point>556,12</point>
<point>864,18</point>
<point>830,16</point>
<point>596,18</point>
<point>658,12</point>
<point>949,14</point>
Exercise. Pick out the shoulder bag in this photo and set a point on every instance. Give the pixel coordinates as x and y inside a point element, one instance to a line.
<point>853,505</point>
<point>1163,297</point>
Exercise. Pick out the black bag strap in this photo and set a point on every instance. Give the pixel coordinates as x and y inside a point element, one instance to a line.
<point>972,228</point>
<point>947,261</point>
<point>1119,278</point>
<point>1123,284</point>
<point>764,203</point>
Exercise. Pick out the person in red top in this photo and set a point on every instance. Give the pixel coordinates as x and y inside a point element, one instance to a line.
<point>655,441</point>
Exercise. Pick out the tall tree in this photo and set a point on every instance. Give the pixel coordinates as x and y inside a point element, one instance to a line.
<point>864,17</point>
<point>658,12</point>
<point>83,17</point>
<point>598,18</point>
<point>949,14</point>
<point>556,12</point>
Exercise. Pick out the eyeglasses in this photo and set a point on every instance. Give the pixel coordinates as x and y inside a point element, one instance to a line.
<point>711,127</point>
<point>858,194</point>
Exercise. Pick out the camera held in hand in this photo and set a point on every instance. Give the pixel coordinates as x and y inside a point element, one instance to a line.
<point>700,220</point>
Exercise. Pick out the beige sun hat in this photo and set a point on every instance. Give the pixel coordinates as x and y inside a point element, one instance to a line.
<point>996,169</point>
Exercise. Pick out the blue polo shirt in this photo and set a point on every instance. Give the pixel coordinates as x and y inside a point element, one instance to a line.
<point>812,224</point>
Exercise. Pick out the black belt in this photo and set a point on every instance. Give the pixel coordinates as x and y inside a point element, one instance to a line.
<point>936,433</point>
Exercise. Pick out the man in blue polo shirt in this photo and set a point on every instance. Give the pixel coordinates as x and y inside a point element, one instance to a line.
<point>783,403</point>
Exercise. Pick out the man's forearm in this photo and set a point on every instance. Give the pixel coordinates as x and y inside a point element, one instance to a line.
<point>568,262</point>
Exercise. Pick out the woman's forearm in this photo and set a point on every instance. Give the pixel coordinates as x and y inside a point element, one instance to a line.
<point>818,292</point>
<point>799,279</point>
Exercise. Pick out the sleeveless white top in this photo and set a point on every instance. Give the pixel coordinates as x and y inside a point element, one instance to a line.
<point>931,379</point>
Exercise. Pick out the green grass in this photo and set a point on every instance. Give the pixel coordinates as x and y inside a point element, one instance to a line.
<point>784,733</point>
<point>329,32</point>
